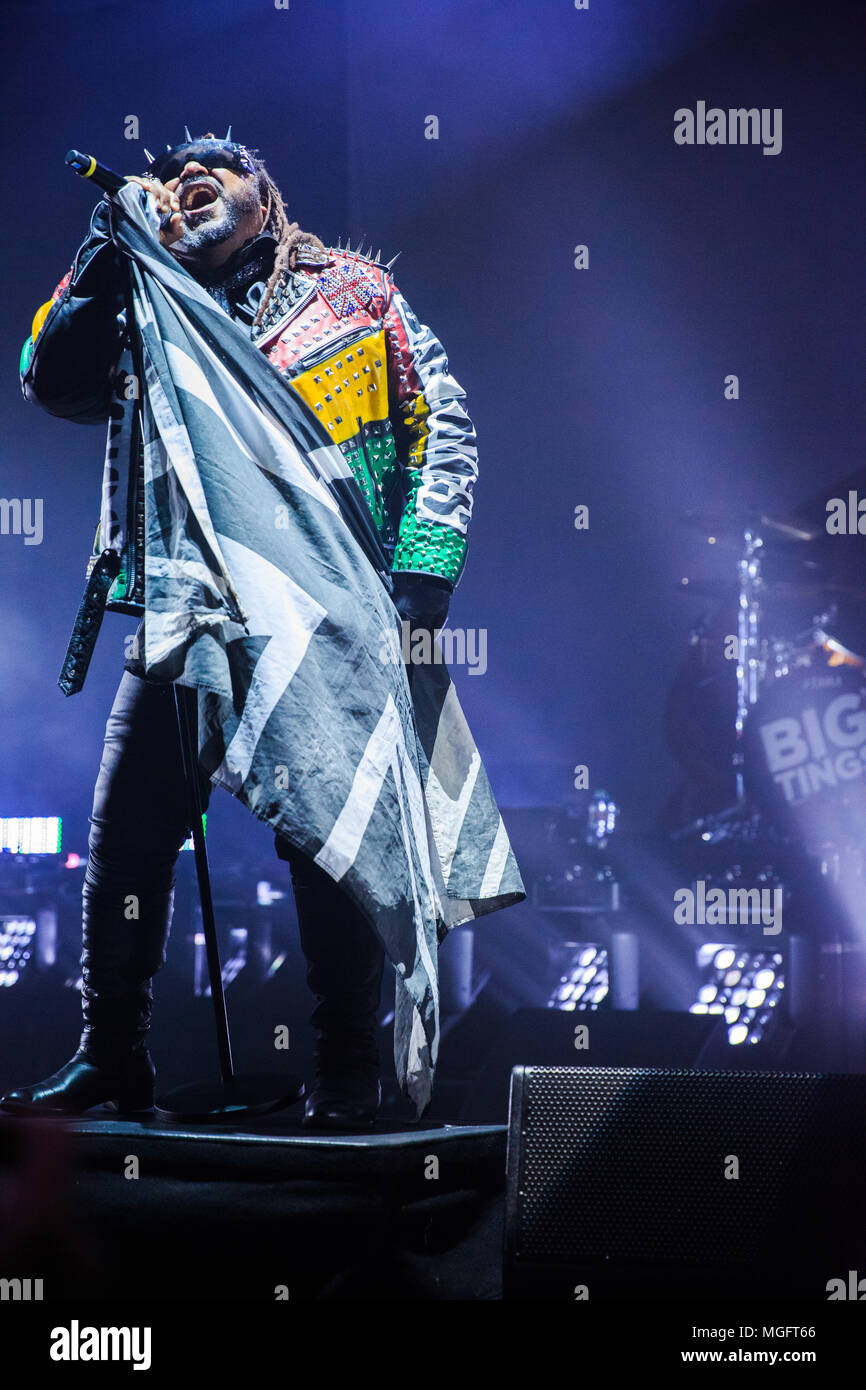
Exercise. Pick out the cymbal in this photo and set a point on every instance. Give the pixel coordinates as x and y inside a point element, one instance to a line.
<point>733,525</point>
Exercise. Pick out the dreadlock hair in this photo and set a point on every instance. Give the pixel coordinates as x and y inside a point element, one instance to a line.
<point>288,235</point>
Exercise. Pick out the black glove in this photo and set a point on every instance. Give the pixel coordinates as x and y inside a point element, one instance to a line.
<point>421,599</point>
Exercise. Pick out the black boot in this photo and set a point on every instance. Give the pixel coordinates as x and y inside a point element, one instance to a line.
<point>345,962</point>
<point>123,946</point>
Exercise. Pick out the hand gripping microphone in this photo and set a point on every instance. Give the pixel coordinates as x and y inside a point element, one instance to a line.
<point>88,167</point>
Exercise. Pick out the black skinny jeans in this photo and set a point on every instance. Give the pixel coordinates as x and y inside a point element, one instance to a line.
<point>140,820</point>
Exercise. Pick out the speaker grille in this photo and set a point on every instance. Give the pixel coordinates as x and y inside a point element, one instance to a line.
<point>630,1164</point>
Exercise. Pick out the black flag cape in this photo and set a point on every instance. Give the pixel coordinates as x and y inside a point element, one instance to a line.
<point>266,590</point>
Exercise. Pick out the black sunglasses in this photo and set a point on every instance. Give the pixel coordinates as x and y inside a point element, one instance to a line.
<point>210,156</point>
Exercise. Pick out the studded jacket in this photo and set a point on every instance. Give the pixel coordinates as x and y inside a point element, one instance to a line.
<point>341,334</point>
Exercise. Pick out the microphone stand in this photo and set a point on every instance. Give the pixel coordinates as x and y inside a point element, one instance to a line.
<point>235,1095</point>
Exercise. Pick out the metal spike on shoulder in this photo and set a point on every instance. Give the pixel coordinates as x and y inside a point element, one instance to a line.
<point>392,260</point>
<point>186,132</point>
<point>345,248</point>
<point>148,156</point>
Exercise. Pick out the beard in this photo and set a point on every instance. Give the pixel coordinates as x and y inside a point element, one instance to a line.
<point>222,223</point>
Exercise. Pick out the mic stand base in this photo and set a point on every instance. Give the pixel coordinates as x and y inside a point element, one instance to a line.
<point>243,1095</point>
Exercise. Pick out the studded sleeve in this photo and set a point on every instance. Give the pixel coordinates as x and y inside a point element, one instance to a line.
<point>435,443</point>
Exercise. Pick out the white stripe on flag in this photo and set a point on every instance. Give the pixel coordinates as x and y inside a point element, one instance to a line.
<point>179,570</point>
<point>271,445</point>
<point>496,863</point>
<point>180,457</point>
<point>188,376</point>
<point>405,777</point>
<point>341,847</point>
<point>417,1042</point>
<point>449,814</point>
<point>286,613</point>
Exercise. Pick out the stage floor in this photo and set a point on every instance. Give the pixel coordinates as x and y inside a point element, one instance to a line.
<point>282,1146</point>
<point>258,1211</point>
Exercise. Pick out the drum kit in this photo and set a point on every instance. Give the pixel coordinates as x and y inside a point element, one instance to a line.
<point>797,729</point>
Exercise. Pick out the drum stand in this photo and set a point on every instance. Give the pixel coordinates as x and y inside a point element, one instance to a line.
<point>234,1096</point>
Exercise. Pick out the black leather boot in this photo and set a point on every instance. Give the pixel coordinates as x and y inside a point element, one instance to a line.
<point>123,945</point>
<point>345,962</point>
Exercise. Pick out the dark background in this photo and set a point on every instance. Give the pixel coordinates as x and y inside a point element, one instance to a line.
<point>602,387</point>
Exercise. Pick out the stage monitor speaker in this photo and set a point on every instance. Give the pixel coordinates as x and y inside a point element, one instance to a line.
<point>627,1183</point>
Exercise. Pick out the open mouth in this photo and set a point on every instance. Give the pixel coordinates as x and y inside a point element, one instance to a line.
<point>199,194</point>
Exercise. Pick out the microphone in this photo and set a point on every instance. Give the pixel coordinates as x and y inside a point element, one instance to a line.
<point>89,167</point>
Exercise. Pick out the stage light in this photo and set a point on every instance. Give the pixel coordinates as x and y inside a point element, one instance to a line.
<point>30,834</point>
<point>585,980</point>
<point>745,987</point>
<point>232,966</point>
<point>267,894</point>
<point>601,819</point>
<point>275,964</point>
<point>16,940</point>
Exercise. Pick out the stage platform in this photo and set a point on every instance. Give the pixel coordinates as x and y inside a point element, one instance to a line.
<point>276,1147</point>
<point>258,1211</point>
